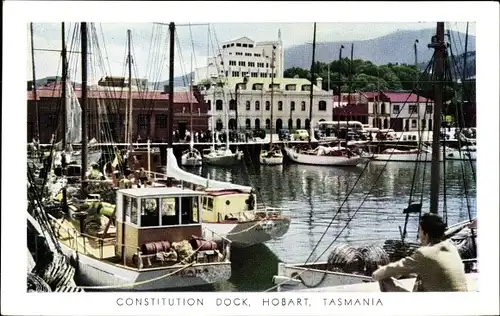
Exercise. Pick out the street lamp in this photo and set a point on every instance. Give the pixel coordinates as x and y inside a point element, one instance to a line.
<point>236,89</point>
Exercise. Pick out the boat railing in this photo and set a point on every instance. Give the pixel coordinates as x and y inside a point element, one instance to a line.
<point>272,212</point>
<point>226,243</point>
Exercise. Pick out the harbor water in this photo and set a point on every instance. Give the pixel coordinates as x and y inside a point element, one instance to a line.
<point>371,214</point>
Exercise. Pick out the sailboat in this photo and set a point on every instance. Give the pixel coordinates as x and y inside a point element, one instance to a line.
<point>273,156</point>
<point>222,156</point>
<point>322,155</point>
<point>354,275</point>
<point>192,156</point>
<point>153,238</point>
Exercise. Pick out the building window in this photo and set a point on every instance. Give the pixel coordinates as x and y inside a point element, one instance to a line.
<point>218,105</point>
<point>236,74</point>
<point>423,124</point>
<point>227,73</point>
<point>298,124</point>
<point>222,63</point>
<point>241,63</point>
<point>428,109</point>
<point>232,105</point>
<point>257,105</point>
<point>267,65</point>
<point>239,53</point>
<point>382,109</point>
<point>251,64</point>
<point>161,121</point>
<point>254,75</point>
<point>280,106</point>
<point>257,124</point>
<point>238,44</point>
<point>247,105</point>
<point>247,123</point>
<point>395,109</point>
<point>243,74</point>
<point>256,55</point>
<point>292,106</point>
<point>413,123</point>
<point>291,87</point>
<point>268,105</point>
<point>248,54</point>
<point>290,124</point>
<point>209,105</point>
<point>260,65</point>
<point>303,105</point>
<point>232,63</point>
<point>268,123</point>
<point>322,105</point>
<point>412,109</point>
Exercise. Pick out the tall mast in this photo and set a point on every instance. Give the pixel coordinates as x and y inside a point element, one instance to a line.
<point>417,92</point>
<point>350,79</point>
<point>171,29</point>
<point>191,101</point>
<point>64,79</point>
<point>83,30</point>
<point>340,91</point>
<point>273,57</point>
<point>464,74</point>
<point>128,109</point>
<point>439,47</point>
<point>37,114</point>
<point>312,81</point>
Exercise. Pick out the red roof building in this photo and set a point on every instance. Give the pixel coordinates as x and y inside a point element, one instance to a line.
<point>106,122</point>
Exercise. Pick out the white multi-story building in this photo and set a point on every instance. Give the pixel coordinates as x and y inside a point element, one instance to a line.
<point>252,99</point>
<point>243,57</point>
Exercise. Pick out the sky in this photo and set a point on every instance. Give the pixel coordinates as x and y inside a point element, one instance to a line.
<point>193,42</point>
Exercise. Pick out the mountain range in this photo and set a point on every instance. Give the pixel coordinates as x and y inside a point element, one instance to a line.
<point>396,47</point>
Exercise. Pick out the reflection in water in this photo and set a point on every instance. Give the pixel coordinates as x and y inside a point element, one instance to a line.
<point>315,193</point>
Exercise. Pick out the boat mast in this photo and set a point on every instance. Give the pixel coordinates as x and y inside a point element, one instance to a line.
<point>191,141</point>
<point>64,80</point>
<point>83,30</point>
<point>350,84</point>
<point>439,47</point>
<point>171,29</point>
<point>417,92</point>
<point>37,114</point>
<point>128,108</point>
<point>312,82</point>
<point>273,56</point>
<point>340,93</point>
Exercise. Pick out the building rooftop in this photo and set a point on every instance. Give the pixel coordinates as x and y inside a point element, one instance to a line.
<point>54,91</point>
<point>231,82</point>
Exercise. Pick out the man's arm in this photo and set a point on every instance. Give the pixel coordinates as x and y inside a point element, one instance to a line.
<point>405,266</point>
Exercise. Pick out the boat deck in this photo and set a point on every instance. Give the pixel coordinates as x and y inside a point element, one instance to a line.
<point>98,247</point>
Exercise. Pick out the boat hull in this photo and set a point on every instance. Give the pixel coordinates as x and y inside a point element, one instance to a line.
<point>191,161</point>
<point>93,272</point>
<point>246,234</point>
<point>275,159</point>
<point>226,160</point>
<point>413,157</point>
<point>324,160</point>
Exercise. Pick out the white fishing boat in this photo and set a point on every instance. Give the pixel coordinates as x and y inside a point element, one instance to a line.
<point>273,155</point>
<point>155,243</point>
<point>425,154</point>
<point>230,210</point>
<point>349,268</point>
<point>326,156</point>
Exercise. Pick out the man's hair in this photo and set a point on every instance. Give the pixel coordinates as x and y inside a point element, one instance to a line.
<point>432,225</point>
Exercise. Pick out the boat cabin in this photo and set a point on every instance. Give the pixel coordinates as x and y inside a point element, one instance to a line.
<point>227,205</point>
<point>156,215</point>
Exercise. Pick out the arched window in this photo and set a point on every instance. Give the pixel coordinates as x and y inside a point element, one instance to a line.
<point>268,123</point>
<point>257,105</point>
<point>290,124</point>
<point>386,122</point>
<point>298,124</point>
<point>292,106</point>
<point>232,105</point>
<point>219,125</point>
<point>268,105</point>
<point>303,105</point>
<point>247,105</point>
<point>218,105</point>
<point>232,124</point>
<point>247,123</point>
<point>209,105</point>
<point>279,124</point>
<point>257,124</point>
<point>280,106</point>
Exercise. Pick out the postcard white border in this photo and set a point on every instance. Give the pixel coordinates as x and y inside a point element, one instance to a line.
<point>17,14</point>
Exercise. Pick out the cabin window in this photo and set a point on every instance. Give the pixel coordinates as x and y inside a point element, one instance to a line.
<point>209,204</point>
<point>150,213</point>
<point>130,209</point>
<point>170,211</point>
<point>188,211</point>
<point>395,109</point>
